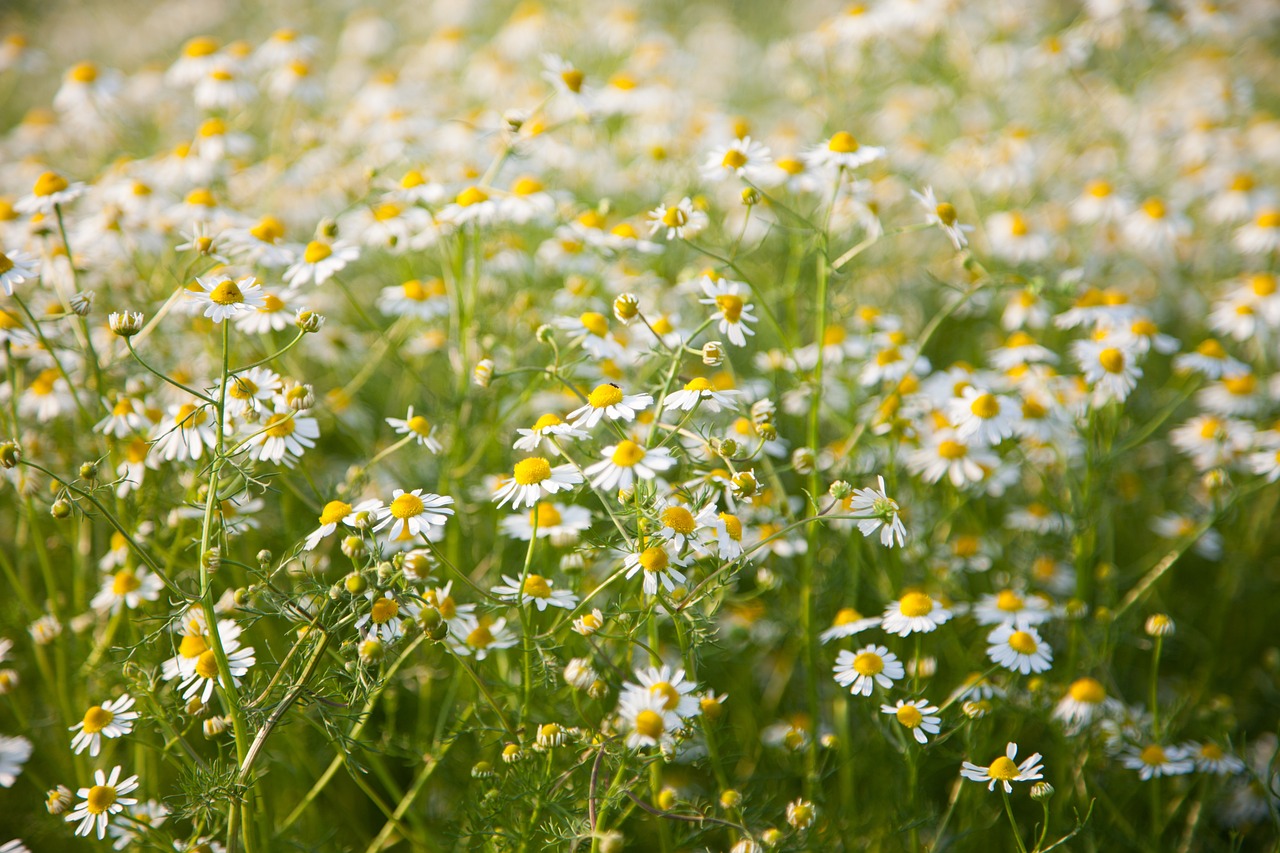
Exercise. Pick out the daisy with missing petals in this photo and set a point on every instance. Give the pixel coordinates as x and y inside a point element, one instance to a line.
<point>862,670</point>
<point>608,401</point>
<point>659,565</point>
<point>415,512</point>
<point>417,426</point>
<point>624,462</point>
<point>681,221</point>
<point>104,799</point>
<point>914,612</point>
<point>842,151</point>
<point>916,717</point>
<point>545,427</point>
<point>536,590</point>
<point>113,718</point>
<point>534,477</point>
<point>731,310</point>
<point>223,298</point>
<point>1019,649</point>
<point>848,622</point>
<point>1004,770</point>
<point>320,261</point>
<point>881,513</point>
<point>1211,758</point>
<point>1153,761</point>
<point>699,390</point>
<point>341,512</point>
<point>15,268</point>
<point>744,158</point>
<point>943,215</point>
<point>649,722</point>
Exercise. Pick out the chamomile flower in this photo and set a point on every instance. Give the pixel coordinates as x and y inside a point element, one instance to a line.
<point>728,536</point>
<point>14,752</point>
<point>15,268</point>
<point>283,436</point>
<point>680,525</point>
<point>424,300</point>
<point>1210,360</point>
<point>1005,770</point>
<point>274,315</point>
<point>205,674</point>
<point>847,623</point>
<point>862,670</point>
<point>1111,369</point>
<point>1211,758</point>
<point>49,191</point>
<point>1009,607</point>
<point>945,455</point>
<point>944,215</point>
<point>881,513</point>
<point>591,332</point>
<point>608,401</point>
<point>1019,649</point>
<point>320,261</point>
<point>1154,229</point>
<point>113,718</point>
<point>184,433</point>
<point>916,717</point>
<point>414,512</point>
<point>126,588</point>
<point>474,204</point>
<point>626,461</point>
<point>560,523</point>
<point>981,417</point>
<point>532,479</point>
<point>546,427</point>
<point>1100,203</point>
<point>386,617</point>
<point>103,800</point>
<point>1013,238</point>
<point>251,390</point>
<point>1155,760</point>
<point>537,590</point>
<point>915,612</point>
<point>733,312</point>
<point>222,297</point>
<point>647,719</point>
<point>677,692</point>
<point>479,636</point>
<point>337,512</point>
<point>681,221</point>
<point>1085,701</point>
<point>660,566</point>
<point>842,151</point>
<point>699,391</point>
<point>418,427</point>
<point>744,158</point>
<point>1260,236</point>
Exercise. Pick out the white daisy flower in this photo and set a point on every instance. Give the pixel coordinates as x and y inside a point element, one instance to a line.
<point>424,300</point>
<point>659,565</point>
<point>386,617</point>
<point>981,417</point>
<point>1100,203</point>
<point>679,524</point>
<point>340,512</point>
<point>916,717</point>
<point>624,462</point>
<point>113,718</point>
<point>591,332</point>
<point>417,426</point>
<point>320,261</point>
<point>944,215</point>
<point>1110,369</point>
<point>681,221</point>
<point>15,268</point>
<point>944,455</point>
<point>561,523</point>
<point>225,298</point>
<point>1085,701</point>
<point>914,612</point>
<point>699,390</point>
<point>847,623</point>
<point>744,158</point>
<point>647,719</point>
<point>1260,236</point>
<point>1019,649</point>
<point>673,687</point>
<point>733,312</point>
<point>842,150</point>
<point>1004,770</point>
<point>537,590</point>
<point>1008,607</point>
<point>1211,758</point>
<point>533,478</point>
<point>882,514</point>
<point>1154,760</point>
<point>473,204</point>
<point>1012,239</point>
<point>415,512</point>
<point>49,191</point>
<point>204,674</point>
<point>126,588</point>
<point>479,637</point>
<point>275,315</point>
<point>14,752</point>
<point>1210,360</point>
<point>728,536</point>
<point>284,436</point>
<point>105,799</point>
<point>862,670</point>
<point>608,401</point>
<point>545,427</point>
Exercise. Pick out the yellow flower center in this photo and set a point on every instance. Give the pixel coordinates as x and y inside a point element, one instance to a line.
<point>419,424</point>
<point>407,506</point>
<point>1154,208</point>
<point>699,384</point>
<point>1241,385</point>
<point>334,511</point>
<point>526,185</point>
<point>49,183</point>
<point>949,449</point>
<point>96,719</point>
<point>791,165</point>
<point>1088,691</point>
<point>536,586</point>
<point>124,582</point>
<point>1262,284</point>
<point>1003,769</point>
<point>985,406</point>
<point>207,664</point>
<point>1211,349</point>
<point>547,420</point>
<point>888,356</point>
<point>5,263</point>
<point>1153,755</point>
<point>572,79</point>
<point>470,196</point>
<point>650,724</point>
<point>842,143</point>
<point>670,696</point>
<point>1112,360</point>
<point>533,470</point>
<point>965,545</point>
<point>946,213</point>
<point>316,252</point>
<point>268,230</point>
<point>679,519</point>
<point>200,46</point>
<point>281,424</point>
<point>868,663</point>
<point>384,610</point>
<point>201,198</point>
<point>212,127</point>
<point>192,646</point>
<point>730,306</point>
<point>915,604</point>
<point>1022,643</point>
<point>101,798</point>
<point>1009,601</point>
<point>627,453</point>
<point>1212,752</point>
<point>595,323</point>
<point>480,638</point>
<point>242,388</point>
<point>734,159</point>
<point>545,515</point>
<point>654,559</point>
<point>675,217</point>
<point>83,72</point>
<point>909,716</point>
<point>846,615</point>
<point>732,526</point>
<point>1269,219</point>
<point>227,293</point>
<point>1018,225</point>
<point>1210,428</point>
<point>386,211</point>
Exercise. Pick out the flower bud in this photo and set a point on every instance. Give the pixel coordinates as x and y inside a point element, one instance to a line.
<point>214,726</point>
<point>750,196</point>
<point>801,814</point>
<point>511,753</point>
<point>803,460</point>
<point>300,397</point>
<point>544,334</point>
<point>371,650</point>
<point>744,485</point>
<point>713,353</point>
<point>10,453</point>
<point>89,471</point>
<point>265,557</point>
<point>840,490</point>
<point>212,559</point>
<point>767,431</point>
<point>771,837</point>
<point>483,374</point>
<point>58,799</point>
<point>355,583</point>
<point>308,321</point>
<point>598,690</point>
<point>61,509</point>
<point>353,547</point>
<point>666,799</point>
<point>482,770</point>
<point>626,308</point>
<point>82,303</point>
<point>1159,625</point>
<point>241,596</point>
<point>1041,791</point>
<point>730,799</point>
<point>612,841</point>
<point>728,448</point>
<point>126,324</point>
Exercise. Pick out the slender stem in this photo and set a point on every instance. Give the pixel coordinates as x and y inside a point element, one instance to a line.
<point>526,620</point>
<point>1017,835</point>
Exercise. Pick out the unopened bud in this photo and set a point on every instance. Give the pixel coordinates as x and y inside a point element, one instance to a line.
<point>82,303</point>
<point>89,471</point>
<point>544,334</point>
<point>483,374</point>
<point>126,324</point>
<point>355,583</point>
<point>300,397</point>
<point>215,726</point>
<point>626,307</point>
<point>767,431</point>
<point>803,460</point>
<point>840,490</point>
<point>1159,625</point>
<point>745,486</point>
<point>666,799</point>
<point>10,453</point>
<point>308,321</point>
<point>265,557</point>
<point>371,650</point>
<point>61,509</point>
<point>713,353</point>
<point>750,196</point>
<point>58,799</point>
<point>730,799</point>
<point>1041,791</point>
<point>241,596</point>
<point>212,559</point>
<point>353,547</point>
<point>728,448</point>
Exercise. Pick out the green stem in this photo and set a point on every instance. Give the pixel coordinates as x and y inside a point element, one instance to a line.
<point>1008,809</point>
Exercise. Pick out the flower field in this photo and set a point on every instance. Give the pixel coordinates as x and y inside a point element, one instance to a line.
<point>600,426</point>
